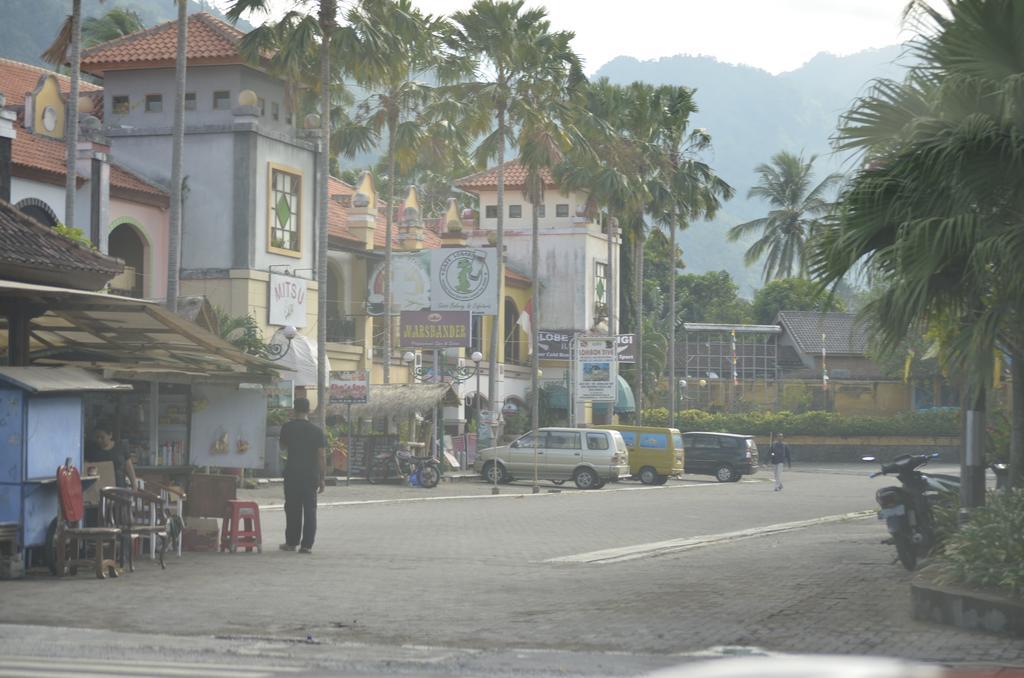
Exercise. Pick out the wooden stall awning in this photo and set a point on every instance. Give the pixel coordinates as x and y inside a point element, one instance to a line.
<point>399,400</point>
<point>126,338</point>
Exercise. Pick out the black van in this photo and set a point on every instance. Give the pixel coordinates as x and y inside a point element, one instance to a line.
<point>726,456</point>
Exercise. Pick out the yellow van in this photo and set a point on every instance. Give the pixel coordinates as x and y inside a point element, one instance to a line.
<point>655,452</point>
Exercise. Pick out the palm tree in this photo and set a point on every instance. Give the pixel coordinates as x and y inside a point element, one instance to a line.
<point>68,46</point>
<point>327,13</point>
<point>116,23</point>
<point>505,49</point>
<point>796,209</point>
<point>932,212</point>
<point>388,44</point>
<point>177,159</point>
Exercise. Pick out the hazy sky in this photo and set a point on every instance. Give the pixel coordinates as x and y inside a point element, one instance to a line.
<point>776,35</point>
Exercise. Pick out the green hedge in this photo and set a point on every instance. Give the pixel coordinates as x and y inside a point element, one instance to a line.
<point>988,551</point>
<point>923,423</point>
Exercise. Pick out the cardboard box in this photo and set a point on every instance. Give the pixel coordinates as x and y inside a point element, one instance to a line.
<point>201,534</point>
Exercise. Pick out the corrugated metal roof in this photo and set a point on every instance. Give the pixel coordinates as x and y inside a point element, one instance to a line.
<point>122,335</point>
<point>844,335</point>
<point>57,380</point>
<point>740,329</point>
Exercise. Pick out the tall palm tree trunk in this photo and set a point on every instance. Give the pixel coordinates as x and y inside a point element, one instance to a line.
<point>71,119</point>
<point>328,12</point>
<point>638,275</point>
<point>388,249</point>
<point>672,325</point>
<point>499,243</point>
<point>177,163</point>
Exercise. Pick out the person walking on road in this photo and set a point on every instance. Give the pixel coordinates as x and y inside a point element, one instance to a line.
<point>304,472</point>
<point>778,453</point>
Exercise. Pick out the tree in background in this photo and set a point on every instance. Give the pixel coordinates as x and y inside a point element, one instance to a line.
<point>791,294</point>
<point>711,297</point>
<point>387,45</point>
<point>116,23</point>
<point>796,209</point>
<point>496,48</point>
<point>933,211</point>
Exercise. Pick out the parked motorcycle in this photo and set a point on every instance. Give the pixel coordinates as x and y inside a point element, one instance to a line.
<point>907,510</point>
<point>403,465</point>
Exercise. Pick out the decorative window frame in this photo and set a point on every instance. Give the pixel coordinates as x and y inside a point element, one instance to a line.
<point>294,171</point>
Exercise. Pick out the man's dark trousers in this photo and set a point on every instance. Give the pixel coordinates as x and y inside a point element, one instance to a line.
<point>300,514</point>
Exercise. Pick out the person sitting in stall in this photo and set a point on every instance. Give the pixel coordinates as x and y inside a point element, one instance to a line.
<point>101,446</point>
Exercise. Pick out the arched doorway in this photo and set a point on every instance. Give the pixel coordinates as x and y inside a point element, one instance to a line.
<point>512,343</point>
<point>127,244</point>
<point>38,210</point>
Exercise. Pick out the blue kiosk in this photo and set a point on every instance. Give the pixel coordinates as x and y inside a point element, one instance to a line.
<point>41,426</point>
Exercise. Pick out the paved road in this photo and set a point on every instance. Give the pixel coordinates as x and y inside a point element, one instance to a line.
<point>456,580</point>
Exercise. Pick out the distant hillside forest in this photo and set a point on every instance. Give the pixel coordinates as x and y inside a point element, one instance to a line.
<point>752,114</point>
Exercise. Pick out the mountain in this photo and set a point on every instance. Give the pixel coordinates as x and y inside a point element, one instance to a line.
<point>752,114</point>
<point>27,28</point>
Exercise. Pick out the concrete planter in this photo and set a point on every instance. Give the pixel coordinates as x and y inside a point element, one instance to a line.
<point>965,608</point>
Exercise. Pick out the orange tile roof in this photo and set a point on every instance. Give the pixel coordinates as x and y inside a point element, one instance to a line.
<point>210,41</point>
<point>337,221</point>
<point>18,79</point>
<point>515,177</point>
<point>43,158</point>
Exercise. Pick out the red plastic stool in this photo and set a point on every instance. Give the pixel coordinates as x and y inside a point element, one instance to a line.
<point>241,527</point>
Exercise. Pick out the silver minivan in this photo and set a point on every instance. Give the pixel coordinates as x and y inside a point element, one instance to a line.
<point>589,457</point>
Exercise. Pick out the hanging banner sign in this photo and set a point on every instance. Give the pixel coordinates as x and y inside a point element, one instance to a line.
<point>410,284</point>
<point>464,279</point>
<point>626,348</point>
<point>596,373</point>
<point>351,387</point>
<point>555,344</point>
<point>287,303</point>
<point>434,329</point>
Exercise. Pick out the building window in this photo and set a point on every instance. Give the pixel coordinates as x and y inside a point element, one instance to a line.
<point>562,210</point>
<point>285,210</point>
<point>275,110</point>
<point>221,100</point>
<point>190,101</point>
<point>540,211</point>
<point>262,103</point>
<point>491,212</point>
<point>154,103</point>
<point>119,105</point>
<point>515,211</point>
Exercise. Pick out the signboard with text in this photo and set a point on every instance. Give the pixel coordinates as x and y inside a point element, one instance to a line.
<point>596,369</point>
<point>626,348</point>
<point>410,283</point>
<point>350,387</point>
<point>555,344</point>
<point>464,279</point>
<point>287,303</point>
<point>434,329</point>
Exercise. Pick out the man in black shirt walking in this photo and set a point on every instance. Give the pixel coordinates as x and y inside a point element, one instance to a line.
<point>303,477</point>
<point>778,454</point>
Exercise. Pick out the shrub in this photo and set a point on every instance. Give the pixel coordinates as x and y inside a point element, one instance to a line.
<point>989,550</point>
<point>924,423</point>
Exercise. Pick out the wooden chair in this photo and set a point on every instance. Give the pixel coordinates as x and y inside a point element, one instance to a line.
<point>136,513</point>
<point>72,540</point>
